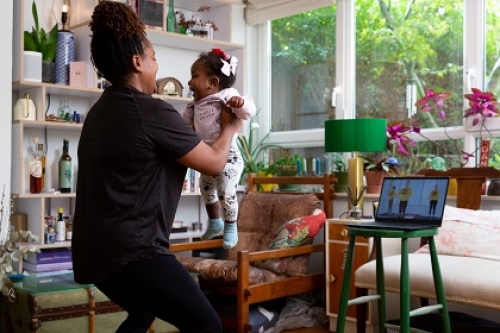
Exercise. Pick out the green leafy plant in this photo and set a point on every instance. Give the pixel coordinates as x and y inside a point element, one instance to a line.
<point>253,152</point>
<point>39,41</point>
<point>388,165</point>
<point>285,165</point>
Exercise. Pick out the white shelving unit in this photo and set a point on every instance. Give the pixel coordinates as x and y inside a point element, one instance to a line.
<point>174,52</point>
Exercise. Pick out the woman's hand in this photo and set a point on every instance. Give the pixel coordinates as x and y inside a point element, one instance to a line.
<point>229,121</point>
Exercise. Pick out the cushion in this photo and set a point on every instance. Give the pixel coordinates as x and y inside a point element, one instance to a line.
<point>460,278</point>
<point>295,232</point>
<point>468,233</point>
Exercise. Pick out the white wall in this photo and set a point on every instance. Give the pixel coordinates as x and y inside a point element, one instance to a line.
<point>6,96</point>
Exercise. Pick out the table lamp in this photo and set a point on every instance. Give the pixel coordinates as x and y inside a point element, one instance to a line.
<point>355,135</point>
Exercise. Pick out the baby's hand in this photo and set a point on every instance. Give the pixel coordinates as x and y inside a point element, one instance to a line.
<point>235,102</point>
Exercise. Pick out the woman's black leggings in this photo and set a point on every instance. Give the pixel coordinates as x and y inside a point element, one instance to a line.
<point>162,288</point>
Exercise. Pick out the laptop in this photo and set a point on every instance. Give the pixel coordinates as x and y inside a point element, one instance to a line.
<point>409,203</point>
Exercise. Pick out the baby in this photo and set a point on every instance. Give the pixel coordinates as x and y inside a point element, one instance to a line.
<point>212,76</point>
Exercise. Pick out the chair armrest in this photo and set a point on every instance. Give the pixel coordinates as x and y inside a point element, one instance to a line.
<point>194,246</point>
<point>282,253</point>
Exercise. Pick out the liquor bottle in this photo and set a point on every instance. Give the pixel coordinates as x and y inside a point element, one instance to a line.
<point>41,155</point>
<point>69,230</point>
<point>60,226</point>
<point>171,19</point>
<point>35,170</point>
<point>65,169</point>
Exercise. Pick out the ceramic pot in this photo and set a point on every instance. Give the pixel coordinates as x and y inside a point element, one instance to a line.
<point>287,170</point>
<point>48,71</point>
<point>374,180</point>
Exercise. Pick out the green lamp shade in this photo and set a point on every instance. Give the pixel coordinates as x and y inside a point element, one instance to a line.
<point>355,135</point>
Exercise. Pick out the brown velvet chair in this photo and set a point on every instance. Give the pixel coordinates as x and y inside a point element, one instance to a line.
<point>260,215</point>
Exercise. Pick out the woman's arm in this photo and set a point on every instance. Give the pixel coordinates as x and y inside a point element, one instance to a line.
<point>210,160</point>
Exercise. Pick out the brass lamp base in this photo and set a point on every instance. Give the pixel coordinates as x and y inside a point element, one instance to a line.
<point>356,187</point>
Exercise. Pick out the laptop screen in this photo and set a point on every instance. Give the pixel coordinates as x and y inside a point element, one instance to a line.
<point>412,199</point>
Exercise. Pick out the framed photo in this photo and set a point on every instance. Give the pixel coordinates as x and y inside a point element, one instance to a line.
<point>169,86</point>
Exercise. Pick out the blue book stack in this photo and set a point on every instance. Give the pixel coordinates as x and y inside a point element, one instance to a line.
<point>48,260</point>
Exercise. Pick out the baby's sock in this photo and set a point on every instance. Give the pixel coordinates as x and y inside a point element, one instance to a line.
<point>230,238</point>
<point>215,226</point>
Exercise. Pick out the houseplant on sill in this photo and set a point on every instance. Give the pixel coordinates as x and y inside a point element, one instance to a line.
<point>286,166</point>
<point>482,106</point>
<point>342,176</point>
<point>44,42</point>
<point>376,171</point>
<point>253,154</point>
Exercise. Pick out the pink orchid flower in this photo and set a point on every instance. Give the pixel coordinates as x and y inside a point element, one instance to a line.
<point>482,105</point>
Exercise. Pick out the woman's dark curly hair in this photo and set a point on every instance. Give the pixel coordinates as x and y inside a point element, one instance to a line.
<point>213,65</point>
<point>117,35</point>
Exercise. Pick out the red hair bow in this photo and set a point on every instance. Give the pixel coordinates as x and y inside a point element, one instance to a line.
<point>220,53</point>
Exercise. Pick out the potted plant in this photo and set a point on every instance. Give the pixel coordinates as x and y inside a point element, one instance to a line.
<point>342,176</point>
<point>253,153</point>
<point>286,166</point>
<point>375,171</point>
<point>40,41</point>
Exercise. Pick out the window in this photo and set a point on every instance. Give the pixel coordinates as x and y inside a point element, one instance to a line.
<point>303,69</point>
<point>399,49</point>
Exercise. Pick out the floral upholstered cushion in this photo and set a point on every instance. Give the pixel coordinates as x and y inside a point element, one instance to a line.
<point>469,233</point>
<point>293,233</point>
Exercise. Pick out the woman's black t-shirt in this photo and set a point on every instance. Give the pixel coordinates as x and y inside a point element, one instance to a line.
<point>129,182</point>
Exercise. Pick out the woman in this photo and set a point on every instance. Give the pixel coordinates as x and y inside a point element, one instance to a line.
<point>133,154</point>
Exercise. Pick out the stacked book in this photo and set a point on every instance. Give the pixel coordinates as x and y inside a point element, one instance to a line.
<point>49,260</point>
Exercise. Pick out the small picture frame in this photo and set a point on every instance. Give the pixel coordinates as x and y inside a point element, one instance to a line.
<point>169,86</point>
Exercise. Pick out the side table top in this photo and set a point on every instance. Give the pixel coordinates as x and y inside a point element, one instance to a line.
<point>36,284</point>
<point>391,233</point>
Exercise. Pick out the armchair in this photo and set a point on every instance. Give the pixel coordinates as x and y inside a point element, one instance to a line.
<point>260,215</point>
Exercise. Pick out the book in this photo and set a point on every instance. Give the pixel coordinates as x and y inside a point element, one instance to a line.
<point>49,256</point>
<point>47,267</point>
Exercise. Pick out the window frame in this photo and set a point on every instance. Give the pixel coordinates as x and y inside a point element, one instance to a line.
<point>474,55</point>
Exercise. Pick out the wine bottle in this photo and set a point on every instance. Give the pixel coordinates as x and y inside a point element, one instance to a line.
<point>41,155</point>
<point>171,19</point>
<point>35,170</point>
<point>60,226</point>
<point>65,169</point>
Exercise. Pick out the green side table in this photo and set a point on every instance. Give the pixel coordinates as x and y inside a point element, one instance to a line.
<point>405,312</point>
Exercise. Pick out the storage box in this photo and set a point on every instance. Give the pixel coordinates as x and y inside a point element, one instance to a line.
<point>56,304</point>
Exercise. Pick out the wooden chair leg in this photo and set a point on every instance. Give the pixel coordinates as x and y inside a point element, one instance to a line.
<point>361,311</point>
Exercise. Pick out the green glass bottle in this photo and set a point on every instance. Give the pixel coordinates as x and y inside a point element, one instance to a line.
<point>65,178</point>
<point>171,20</point>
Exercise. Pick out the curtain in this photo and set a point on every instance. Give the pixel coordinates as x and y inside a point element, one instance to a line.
<point>261,11</point>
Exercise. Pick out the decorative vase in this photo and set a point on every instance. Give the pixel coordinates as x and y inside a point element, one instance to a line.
<point>48,71</point>
<point>374,180</point>
<point>65,53</point>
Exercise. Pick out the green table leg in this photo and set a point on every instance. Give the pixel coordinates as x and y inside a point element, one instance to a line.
<point>438,285</point>
<point>404,287</point>
<point>346,286</point>
<point>380,284</point>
